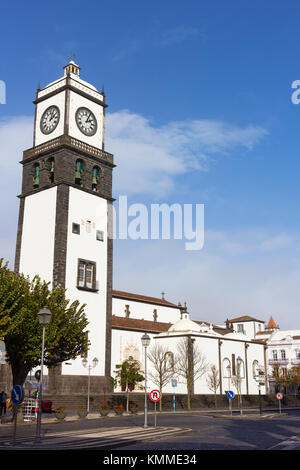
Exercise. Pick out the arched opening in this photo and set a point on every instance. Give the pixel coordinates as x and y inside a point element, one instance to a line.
<point>36,175</point>
<point>95,177</point>
<point>51,166</point>
<point>78,171</point>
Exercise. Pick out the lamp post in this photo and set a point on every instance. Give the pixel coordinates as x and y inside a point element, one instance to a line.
<point>145,342</point>
<point>44,319</point>
<point>89,367</point>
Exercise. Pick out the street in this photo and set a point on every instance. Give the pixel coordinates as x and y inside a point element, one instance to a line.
<point>179,431</point>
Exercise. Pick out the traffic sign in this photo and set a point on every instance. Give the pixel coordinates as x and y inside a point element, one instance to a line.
<point>174,383</point>
<point>155,395</point>
<point>279,396</point>
<point>230,394</point>
<point>17,394</point>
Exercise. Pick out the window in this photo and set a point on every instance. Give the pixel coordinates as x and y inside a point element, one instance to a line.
<point>240,368</point>
<point>240,328</point>
<point>36,175</point>
<point>86,275</point>
<point>274,353</point>
<point>297,351</point>
<point>99,235</point>
<point>78,171</point>
<point>226,368</point>
<point>259,327</point>
<point>76,228</point>
<point>283,355</point>
<point>255,368</point>
<point>169,361</point>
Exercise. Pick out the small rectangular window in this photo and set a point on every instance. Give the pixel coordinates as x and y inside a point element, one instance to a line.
<point>76,228</point>
<point>99,235</point>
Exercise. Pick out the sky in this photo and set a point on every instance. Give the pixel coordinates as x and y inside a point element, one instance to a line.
<point>200,112</point>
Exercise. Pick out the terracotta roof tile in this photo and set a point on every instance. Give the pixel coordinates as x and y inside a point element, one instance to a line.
<point>142,298</point>
<point>140,325</point>
<point>271,324</point>
<point>245,318</point>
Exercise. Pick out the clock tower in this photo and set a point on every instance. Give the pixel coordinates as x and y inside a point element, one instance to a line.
<point>65,217</point>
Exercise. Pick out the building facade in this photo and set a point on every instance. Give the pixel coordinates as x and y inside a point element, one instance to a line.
<point>65,236</point>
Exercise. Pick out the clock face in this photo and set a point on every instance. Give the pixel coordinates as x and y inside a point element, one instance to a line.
<point>86,121</point>
<point>50,119</point>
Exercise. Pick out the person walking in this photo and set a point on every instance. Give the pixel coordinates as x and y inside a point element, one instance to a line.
<point>3,398</point>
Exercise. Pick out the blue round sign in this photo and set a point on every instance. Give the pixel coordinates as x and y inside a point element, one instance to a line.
<point>230,394</point>
<point>17,394</point>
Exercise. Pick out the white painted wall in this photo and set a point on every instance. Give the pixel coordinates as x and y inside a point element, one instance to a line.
<point>78,101</point>
<point>125,343</point>
<point>83,207</point>
<point>59,101</point>
<point>250,327</point>
<point>37,245</point>
<point>142,310</point>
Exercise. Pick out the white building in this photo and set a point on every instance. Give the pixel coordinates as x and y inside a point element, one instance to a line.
<point>65,222</point>
<point>222,347</point>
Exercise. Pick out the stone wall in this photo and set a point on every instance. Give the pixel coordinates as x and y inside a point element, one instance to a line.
<point>198,402</point>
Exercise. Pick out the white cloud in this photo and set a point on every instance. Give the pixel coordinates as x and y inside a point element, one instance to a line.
<point>149,158</point>
<point>179,34</point>
<point>15,136</point>
<point>217,282</point>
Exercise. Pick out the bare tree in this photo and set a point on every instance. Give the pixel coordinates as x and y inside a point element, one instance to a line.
<point>163,367</point>
<point>190,364</point>
<point>236,380</point>
<point>213,381</point>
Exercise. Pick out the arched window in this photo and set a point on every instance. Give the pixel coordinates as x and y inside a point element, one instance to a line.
<point>226,368</point>
<point>255,368</point>
<point>240,368</point>
<point>95,177</point>
<point>51,165</point>
<point>36,175</point>
<point>169,360</point>
<point>78,171</point>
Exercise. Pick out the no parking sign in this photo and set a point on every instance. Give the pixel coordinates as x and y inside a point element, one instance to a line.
<point>155,395</point>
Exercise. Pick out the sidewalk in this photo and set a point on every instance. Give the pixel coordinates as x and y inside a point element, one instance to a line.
<point>224,413</point>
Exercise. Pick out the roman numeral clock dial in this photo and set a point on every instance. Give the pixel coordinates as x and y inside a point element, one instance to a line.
<point>50,119</point>
<point>86,121</point>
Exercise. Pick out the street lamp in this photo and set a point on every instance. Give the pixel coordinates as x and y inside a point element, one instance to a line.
<point>89,367</point>
<point>145,342</point>
<point>44,316</point>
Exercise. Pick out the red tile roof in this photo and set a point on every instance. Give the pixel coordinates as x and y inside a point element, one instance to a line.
<point>271,324</point>
<point>142,298</point>
<point>245,318</point>
<point>139,325</point>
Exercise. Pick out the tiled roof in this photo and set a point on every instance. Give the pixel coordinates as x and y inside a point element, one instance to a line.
<point>142,298</point>
<point>244,318</point>
<point>271,324</point>
<point>140,325</point>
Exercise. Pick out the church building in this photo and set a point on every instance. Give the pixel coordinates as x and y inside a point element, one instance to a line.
<point>65,236</point>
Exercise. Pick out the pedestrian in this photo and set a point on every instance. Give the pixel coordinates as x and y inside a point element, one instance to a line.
<point>3,398</point>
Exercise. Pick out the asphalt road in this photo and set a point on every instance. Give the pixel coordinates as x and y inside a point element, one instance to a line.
<point>216,433</point>
<point>208,432</point>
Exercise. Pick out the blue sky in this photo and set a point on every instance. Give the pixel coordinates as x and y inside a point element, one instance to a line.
<point>218,76</point>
